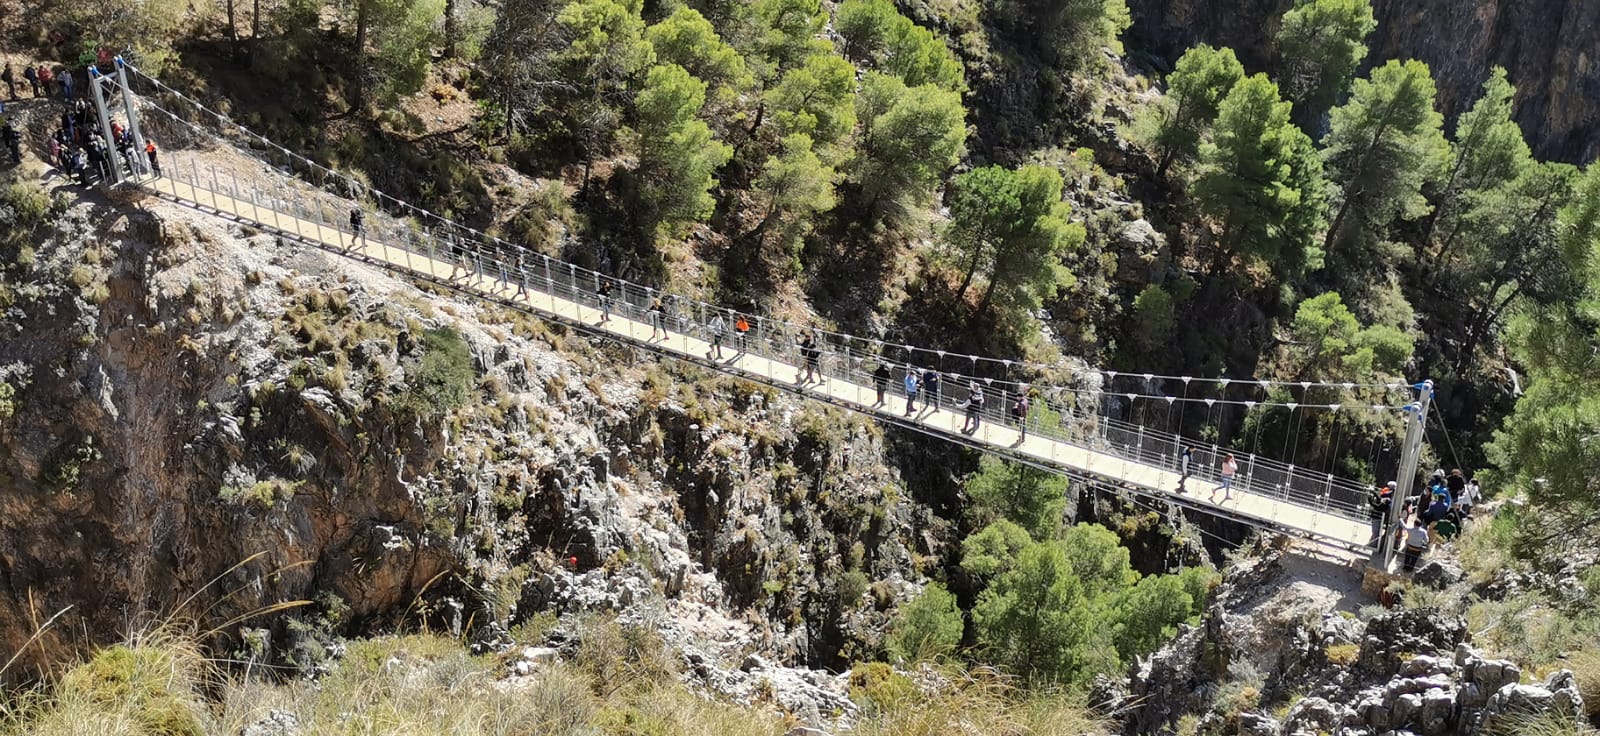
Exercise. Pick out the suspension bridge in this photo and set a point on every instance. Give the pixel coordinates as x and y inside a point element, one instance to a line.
<point>1068,429</point>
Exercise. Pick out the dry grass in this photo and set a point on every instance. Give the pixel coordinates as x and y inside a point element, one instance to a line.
<point>622,682</point>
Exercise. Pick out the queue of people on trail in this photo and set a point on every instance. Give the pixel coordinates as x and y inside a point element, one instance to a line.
<point>77,146</point>
<point>1434,513</point>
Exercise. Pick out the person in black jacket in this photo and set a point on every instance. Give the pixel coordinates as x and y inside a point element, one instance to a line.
<point>1378,500</point>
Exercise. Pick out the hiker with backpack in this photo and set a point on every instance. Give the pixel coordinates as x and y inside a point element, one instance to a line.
<point>1019,414</point>
<point>358,222</point>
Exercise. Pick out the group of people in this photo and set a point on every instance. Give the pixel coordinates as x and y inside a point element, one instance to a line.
<point>1435,512</point>
<point>42,81</point>
<point>78,145</point>
<point>1227,470</point>
<point>928,383</point>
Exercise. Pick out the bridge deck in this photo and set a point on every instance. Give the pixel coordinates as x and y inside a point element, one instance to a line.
<point>1255,508</point>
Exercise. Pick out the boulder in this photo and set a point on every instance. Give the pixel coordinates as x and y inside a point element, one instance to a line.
<point>1438,712</point>
<point>1424,665</point>
<point>1438,573</point>
<point>276,723</point>
<point>1257,724</point>
<point>1316,715</point>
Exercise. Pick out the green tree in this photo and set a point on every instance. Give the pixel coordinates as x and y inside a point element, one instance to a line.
<point>1333,346</point>
<point>1322,42</point>
<point>394,41</point>
<point>879,36</point>
<point>521,60</point>
<point>687,39</point>
<point>442,377</point>
<point>1487,154</point>
<point>1034,620</point>
<point>1069,33</point>
<point>1514,246</point>
<point>1033,498</point>
<point>1385,144</point>
<point>606,48</point>
<point>865,26</point>
<point>1012,228</point>
<point>909,138</point>
<point>1147,614</point>
<point>1098,559</point>
<point>994,550</point>
<point>1195,90</point>
<point>678,155</point>
<point>797,186</point>
<point>928,628</point>
<point>788,33</point>
<point>1260,180</point>
<point>1155,321</point>
<point>1549,447</point>
<point>816,99</point>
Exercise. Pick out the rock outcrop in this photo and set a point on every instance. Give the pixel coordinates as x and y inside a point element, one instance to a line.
<point>1551,48</point>
<point>1408,671</point>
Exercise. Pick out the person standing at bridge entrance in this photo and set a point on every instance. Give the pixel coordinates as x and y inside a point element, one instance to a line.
<point>1378,501</point>
<point>1228,470</point>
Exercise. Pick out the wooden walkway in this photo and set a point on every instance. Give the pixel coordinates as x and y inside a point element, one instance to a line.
<point>1332,530</point>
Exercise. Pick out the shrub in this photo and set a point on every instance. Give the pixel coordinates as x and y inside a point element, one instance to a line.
<point>1343,655</point>
<point>144,687</point>
<point>929,627</point>
<point>442,377</point>
<point>877,687</point>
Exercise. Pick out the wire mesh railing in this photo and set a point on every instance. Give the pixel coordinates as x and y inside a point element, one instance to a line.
<point>279,196</point>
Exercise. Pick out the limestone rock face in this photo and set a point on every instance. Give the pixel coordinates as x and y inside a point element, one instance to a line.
<point>1550,48</point>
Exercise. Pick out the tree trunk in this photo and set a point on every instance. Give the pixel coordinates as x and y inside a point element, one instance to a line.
<point>452,29</point>
<point>358,91</point>
<point>255,29</point>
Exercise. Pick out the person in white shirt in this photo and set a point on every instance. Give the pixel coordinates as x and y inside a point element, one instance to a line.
<point>1469,497</point>
<point>1415,533</point>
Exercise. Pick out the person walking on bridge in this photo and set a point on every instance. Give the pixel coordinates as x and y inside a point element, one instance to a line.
<point>1019,414</point>
<point>1185,459</point>
<point>975,401</point>
<point>810,355</point>
<point>911,390</point>
<point>1229,469</point>
<point>717,328</point>
<point>358,221</point>
<point>658,319</point>
<point>880,381</point>
<point>930,391</point>
<point>604,292</point>
<point>150,153</point>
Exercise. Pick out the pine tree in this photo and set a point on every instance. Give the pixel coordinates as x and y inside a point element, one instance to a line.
<point>1011,228</point>
<point>1259,179</point>
<point>1195,89</point>
<point>1322,42</point>
<point>1385,144</point>
<point>910,136</point>
<point>678,155</point>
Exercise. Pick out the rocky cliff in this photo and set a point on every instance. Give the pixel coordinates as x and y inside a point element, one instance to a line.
<point>1551,48</point>
<point>203,411</point>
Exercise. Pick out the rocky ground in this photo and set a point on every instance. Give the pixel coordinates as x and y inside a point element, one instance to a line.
<point>1283,650</point>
